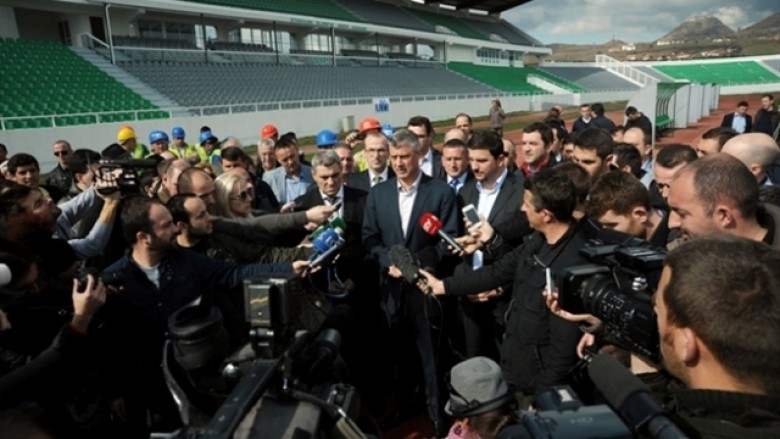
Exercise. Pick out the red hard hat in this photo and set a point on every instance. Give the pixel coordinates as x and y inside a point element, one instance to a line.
<point>368,124</point>
<point>268,131</point>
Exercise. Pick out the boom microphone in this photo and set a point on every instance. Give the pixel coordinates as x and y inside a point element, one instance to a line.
<point>432,226</point>
<point>630,397</point>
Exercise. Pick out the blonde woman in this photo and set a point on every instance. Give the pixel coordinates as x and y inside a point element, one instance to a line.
<point>233,195</point>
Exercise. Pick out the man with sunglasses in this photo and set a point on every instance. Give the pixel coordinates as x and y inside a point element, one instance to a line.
<point>538,348</point>
<point>60,178</point>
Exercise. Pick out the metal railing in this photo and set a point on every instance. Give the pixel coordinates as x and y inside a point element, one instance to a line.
<point>625,70</point>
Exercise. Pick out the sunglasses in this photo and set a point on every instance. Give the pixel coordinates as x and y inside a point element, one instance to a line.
<point>59,153</point>
<point>241,196</point>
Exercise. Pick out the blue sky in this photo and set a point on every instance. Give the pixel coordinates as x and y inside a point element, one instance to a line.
<point>596,21</point>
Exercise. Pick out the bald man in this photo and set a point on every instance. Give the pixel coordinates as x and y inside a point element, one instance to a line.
<point>758,151</point>
<point>456,133</point>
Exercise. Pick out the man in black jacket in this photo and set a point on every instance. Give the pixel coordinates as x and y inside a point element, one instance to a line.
<point>739,121</point>
<point>636,119</point>
<point>538,347</point>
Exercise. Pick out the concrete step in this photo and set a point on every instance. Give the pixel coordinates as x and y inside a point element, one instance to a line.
<point>132,82</point>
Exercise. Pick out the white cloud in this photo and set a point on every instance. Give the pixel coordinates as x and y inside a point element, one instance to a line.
<point>732,16</point>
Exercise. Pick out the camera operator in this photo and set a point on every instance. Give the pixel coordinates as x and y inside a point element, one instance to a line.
<point>158,280</point>
<point>538,348</point>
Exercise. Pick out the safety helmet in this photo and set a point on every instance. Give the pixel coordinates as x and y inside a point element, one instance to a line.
<point>368,124</point>
<point>268,131</point>
<point>178,132</point>
<point>326,139</point>
<point>387,130</point>
<point>208,137</point>
<point>157,136</point>
<point>124,134</point>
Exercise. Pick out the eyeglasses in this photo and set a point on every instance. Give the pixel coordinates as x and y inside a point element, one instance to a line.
<point>241,196</point>
<point>59,153</point>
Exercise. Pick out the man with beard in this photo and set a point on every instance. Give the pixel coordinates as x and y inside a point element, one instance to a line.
<point>158,279</point>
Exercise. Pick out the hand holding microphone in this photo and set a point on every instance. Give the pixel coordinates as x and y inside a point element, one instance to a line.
<point>432,226</point>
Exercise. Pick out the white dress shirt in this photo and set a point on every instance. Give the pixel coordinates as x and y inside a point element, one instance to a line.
<point>426,163</point>
<point>487,199</point>
<point>406,202</point>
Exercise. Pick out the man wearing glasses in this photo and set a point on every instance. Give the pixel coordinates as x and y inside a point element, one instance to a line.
<point>60,178</point>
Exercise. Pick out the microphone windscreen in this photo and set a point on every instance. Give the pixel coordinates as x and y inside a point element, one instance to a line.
<point>403,259</point>
<point>616,382</point>
<point>5,275</point>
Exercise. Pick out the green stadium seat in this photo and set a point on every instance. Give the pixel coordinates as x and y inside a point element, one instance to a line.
<point>452,23</point>
<point>509,79</point>
<point>316,8</point>
<point>723,73</point>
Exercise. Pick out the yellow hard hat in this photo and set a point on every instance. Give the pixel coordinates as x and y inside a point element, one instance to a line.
<point>125,133</point>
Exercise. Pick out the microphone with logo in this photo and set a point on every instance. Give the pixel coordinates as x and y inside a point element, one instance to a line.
<point>326,246</point>
<point>432,226</point>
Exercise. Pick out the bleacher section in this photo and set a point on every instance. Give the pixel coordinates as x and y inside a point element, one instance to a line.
<point>510,79</point>
<point>46,78</point>
<point>773,63</point>
<point>726,73</point>
<point>198,84</point>
<point>591,78</point>
<point>452,23</point>
<point>385,14</point>
<point>316,8</point>
<point>654,73</point>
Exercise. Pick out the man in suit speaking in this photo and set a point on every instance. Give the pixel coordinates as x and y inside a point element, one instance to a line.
<point>393,210</point>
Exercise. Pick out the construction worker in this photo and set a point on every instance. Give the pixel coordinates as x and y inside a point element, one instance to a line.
<point>126,138</point>
<point>210,151</point>
<point>159,142</point>
<point>367,125</point>
<point>326,139</point>
<point>269,131</point>
<point>180,147</point>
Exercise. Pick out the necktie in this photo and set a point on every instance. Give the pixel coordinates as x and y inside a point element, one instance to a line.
<point>377,179</point>
<point>454,185</point>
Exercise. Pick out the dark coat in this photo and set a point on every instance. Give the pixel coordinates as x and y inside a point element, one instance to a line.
<point>728,120</point>
<point>361,179</point>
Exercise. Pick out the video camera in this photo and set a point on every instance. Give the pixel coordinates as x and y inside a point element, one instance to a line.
<point>617,288</point>
<point>128,181</point>
<point>282,385</point>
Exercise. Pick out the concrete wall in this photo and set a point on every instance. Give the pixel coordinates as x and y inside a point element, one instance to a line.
<point>37,25</point>
<point>8,27</point>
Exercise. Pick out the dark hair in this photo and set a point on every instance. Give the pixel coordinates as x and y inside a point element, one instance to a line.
<point>21,159</point>
<point>135,216</point>
<point>488,425</point>
<point>421,121</point>
<point>595,139</point>
<point>723,177</point>
<point>627,155</point>
<point>11,201</point>
<point>579,176</point>
<point>452,143</point>
<point>585,106</point>
<point>204,128</point>
<point>79,161</point>
<point>725,300</point>
<point>544,130</point>
<point>723,134</point>
<point>769,96</point>
<point>463,115</point>
<point>487,140</point>
<point>553,191</point>
<point>619,192</point>
<point>2,146</point>
<point>286,142</point>
<point>672,155</point>
<point>742,104</point>
<point>234,154</point>
<point>631,110</point>
<point>598,109</point>
<point>555,126</point>
<point>184,183</point>
<point>176,206</point>
<point>617,129</point>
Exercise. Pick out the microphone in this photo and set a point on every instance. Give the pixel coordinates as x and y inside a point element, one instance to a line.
<point>327,244</point>
<point>6,277</point>
<point>432,226</point>
<point>403,259</point>
<point>631,398</point>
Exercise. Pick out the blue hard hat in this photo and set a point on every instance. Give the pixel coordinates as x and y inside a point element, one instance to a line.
<point>206,136</point>
<point>178,132</point>
<point>157,135</point>
<point>387,130</point>
<point>326,139</point>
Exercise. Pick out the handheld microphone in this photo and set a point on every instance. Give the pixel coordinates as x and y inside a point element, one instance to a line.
<point>326,246</point>
<point>402,258</point>
<point>432,226</point>
<point>631,398</point>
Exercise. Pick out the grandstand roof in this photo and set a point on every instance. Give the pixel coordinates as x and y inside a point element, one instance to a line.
<point>491,6</point>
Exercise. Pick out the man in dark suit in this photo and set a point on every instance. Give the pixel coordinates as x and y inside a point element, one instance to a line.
<point>497,195</point>
<point>739,121</point>
<point>430,158</point>
<point>455,161</point>
<point>376,151</point>
<point>391,218</point>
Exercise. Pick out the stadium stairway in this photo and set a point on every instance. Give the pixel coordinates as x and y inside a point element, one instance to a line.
<point>131,82</point>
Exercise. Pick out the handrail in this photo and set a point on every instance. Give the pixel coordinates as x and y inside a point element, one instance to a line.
<point>625,70</point>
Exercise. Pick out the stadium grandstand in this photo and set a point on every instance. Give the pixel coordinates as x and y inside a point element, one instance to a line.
<point>302,64</point>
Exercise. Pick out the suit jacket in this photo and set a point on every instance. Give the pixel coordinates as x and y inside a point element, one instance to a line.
<point>382,221</point>
<point>275,179</point>
<point>728,120</point>
<point>438,167</point>
<point>362,181</point>
<point>506,206</point>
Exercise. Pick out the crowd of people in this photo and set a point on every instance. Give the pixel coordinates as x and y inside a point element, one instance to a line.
<point>100,252</point>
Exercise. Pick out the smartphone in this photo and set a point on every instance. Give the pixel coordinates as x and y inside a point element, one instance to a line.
<point>470,212</point>
<point>550,284</point>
